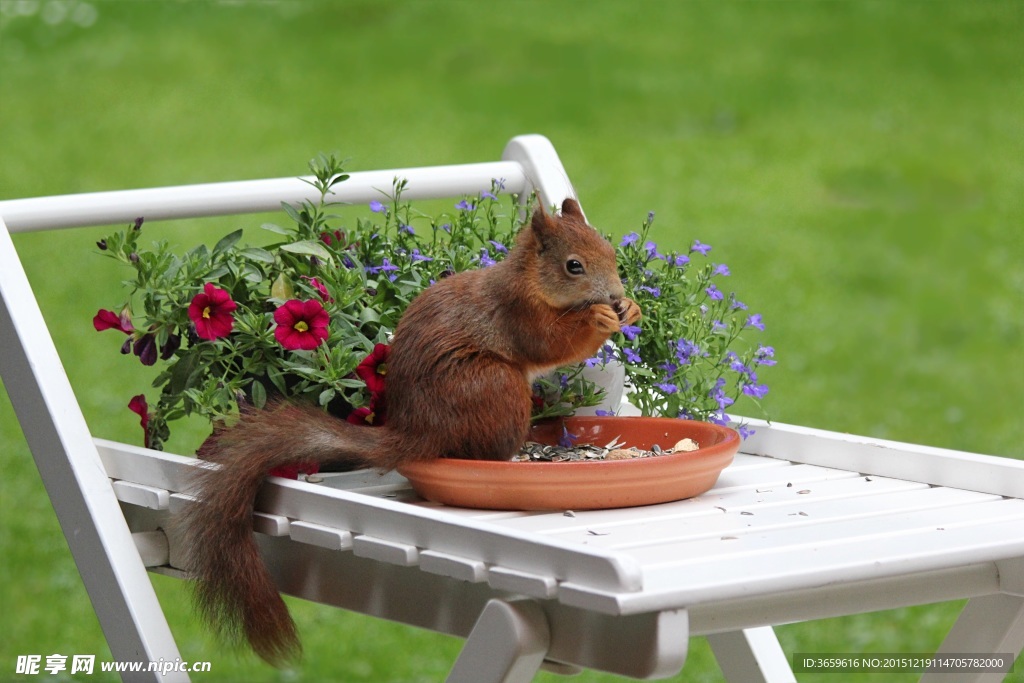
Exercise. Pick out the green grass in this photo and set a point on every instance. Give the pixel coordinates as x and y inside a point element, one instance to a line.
<point>857,165</point>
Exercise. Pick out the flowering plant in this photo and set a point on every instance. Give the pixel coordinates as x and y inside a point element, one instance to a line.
<point>689,356</point>
<point>310,314</point>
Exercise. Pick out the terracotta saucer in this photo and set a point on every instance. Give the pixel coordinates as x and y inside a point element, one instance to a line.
<point>583,485</point>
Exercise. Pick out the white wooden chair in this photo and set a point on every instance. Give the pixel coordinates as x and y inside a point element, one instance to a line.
<point>804,525</point>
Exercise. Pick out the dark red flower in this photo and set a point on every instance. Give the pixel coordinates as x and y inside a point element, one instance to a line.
<point>139,406</point>
<point>374,414</point>
<point>108,320</point>
<point>145,349</point>
<point>301,325</point>
<point>292,471</point>
<point>374,368</point>
<point>321,290</point>
<point>330,238</point>
<point>210,311</point>
<point>365,416</point>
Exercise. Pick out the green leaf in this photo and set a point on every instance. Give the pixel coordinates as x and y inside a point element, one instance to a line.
<point>198,252</point>
<point>369,315</point>
<point>185,372</point>
<point>217,273</point>
<point>228,241</point>
<point>259,394</point>
<point>292,212</point>
<point>277,379</point>
<point>257,254</point>
<point>272,227</point>
<point>309,248</point>
<point>326,396</point>
<point>252,274</point>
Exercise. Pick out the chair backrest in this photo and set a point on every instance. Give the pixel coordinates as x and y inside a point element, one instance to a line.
<point>50,416</point>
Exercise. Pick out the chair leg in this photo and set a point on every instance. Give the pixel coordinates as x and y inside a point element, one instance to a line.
<point>507,644</point>
<point>991,624</point>
<point>751,656</point>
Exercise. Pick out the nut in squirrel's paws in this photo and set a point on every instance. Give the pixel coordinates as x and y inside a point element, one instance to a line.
<point>605,318</point>
<point>627,310</point>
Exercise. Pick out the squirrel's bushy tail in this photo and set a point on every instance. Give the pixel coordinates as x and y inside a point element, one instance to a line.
<point>234,591</point>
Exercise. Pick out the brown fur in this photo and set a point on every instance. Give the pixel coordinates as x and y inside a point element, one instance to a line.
<point>458,386</point>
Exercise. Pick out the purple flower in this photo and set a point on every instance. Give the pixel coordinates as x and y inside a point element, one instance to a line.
<point>498,247</point>
<point>485,259</point>
<point>417,256</point>
<point>604,413</point>
<point>700,248</point>
<point>714,293</point>
<point>681,260</point>
<point>465,205</point>
<point>629,239</point>
<point>488,195</point>
<point>653,291</point>
<point>735,304</point>
<point>669,368</point>
<point>717,394</point>
<point>652,251</point>
<point>764,355</point>
<point>735,364</point>
<point>447,227</point>
<point>755,390</point>
<point>385,267</point>
<point>407,229</point>
<point>498,183</point>
<point>602,357</point>
<point>631,355</point>
<point>685,350</point>
<point>755,321</point>
<point>745,431</point>
<point>376,207</point>
<point>718,326</point>
<point>667,387</point>
<point>630,331</point>
<point>567,439</point>
<point>719,418</point>
<point>721,269</point>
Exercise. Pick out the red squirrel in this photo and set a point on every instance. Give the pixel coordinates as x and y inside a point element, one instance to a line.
<point>458,385</point>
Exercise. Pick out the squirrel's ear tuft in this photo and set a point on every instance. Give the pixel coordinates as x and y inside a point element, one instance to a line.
<point>541,220</point>
<point>542,225</point>
<point>571,207</point>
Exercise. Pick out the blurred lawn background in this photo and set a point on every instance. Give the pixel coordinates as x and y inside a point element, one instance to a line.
<point>858,165</point>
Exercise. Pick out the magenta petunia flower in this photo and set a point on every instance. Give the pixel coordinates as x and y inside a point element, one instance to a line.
<point>374,368</point>
<point>320,288</point>
<point>292,471</point>
<point>139,406</point>
<point>373,415</point>
<point>301,325</point>
<point>211,312</point>
<point>108,320</point>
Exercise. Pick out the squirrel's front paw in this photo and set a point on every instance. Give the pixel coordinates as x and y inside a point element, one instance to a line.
<point>605,318</point>
<point>627,310</point>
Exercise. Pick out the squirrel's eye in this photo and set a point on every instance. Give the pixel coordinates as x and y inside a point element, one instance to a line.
<point>574,267</point>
